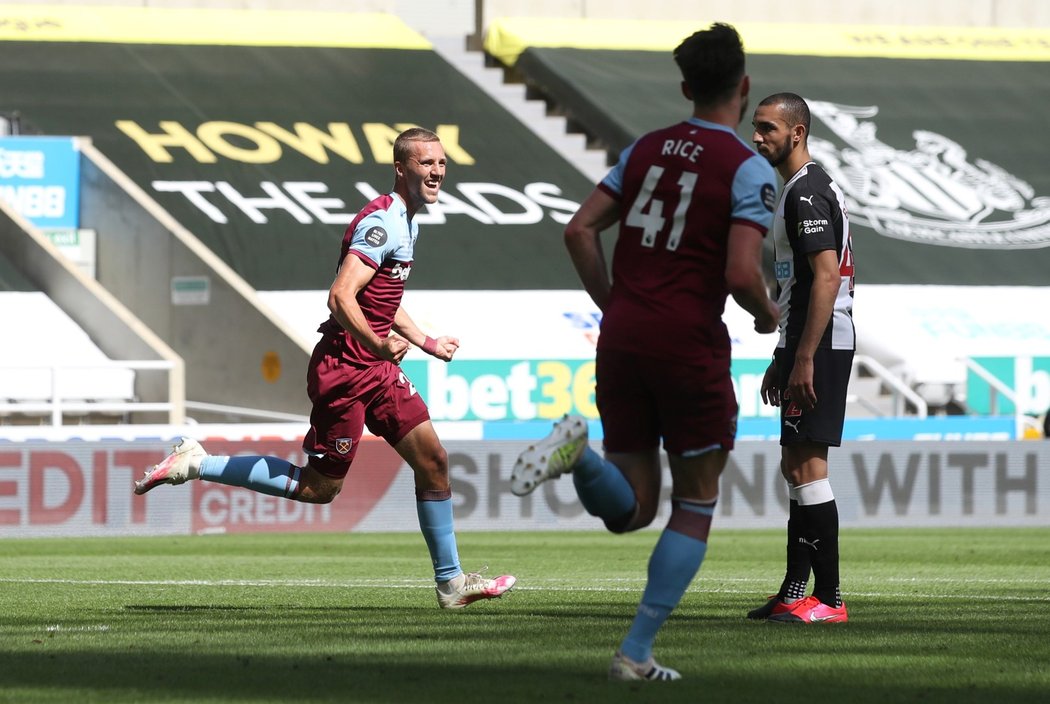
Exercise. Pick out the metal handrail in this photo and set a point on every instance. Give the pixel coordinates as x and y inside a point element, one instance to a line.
<point>246,412</point>
<point>996,384</point>
<point>60,402</point>
<point>895,382</point>
<point>998,387</point>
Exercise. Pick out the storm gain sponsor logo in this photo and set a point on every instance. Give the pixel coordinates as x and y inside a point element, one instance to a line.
<point>931,193</point>
<point>811,227</point>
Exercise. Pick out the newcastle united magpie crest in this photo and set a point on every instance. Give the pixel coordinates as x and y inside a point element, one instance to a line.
<point>931,193</point>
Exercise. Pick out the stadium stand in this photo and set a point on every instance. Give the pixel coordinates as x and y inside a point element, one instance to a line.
<point>227,152</point>
<point>244,145</point>
<point>220,172</point>
<point>913,157</point>
<point>32,376</point>
<point>944,204</point>
<point>223,151</point>
<point>52,368</point>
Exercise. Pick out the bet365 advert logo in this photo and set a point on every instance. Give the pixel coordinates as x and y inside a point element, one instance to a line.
<point>490,390</point>
<point>505,389</point>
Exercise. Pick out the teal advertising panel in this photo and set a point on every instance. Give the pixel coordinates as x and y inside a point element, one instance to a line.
<point>540,389</point>
<point>1028,378</point>
<point>501,390</point>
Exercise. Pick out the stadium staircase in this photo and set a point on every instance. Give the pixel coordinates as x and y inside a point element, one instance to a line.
<point>533,112</point>
<point>875,392</point>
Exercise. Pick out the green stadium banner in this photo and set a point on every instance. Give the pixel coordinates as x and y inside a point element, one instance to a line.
<point>267,152</point>
<point>935,157</point>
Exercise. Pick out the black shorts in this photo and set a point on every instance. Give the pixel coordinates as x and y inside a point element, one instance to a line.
<point>822,424</point>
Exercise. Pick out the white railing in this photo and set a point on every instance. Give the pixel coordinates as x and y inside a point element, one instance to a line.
<point>56,389</point>
<point>998,388</point>
<point>901,390</point>
<point>241,411</point>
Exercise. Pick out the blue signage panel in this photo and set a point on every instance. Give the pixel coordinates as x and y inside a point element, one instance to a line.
<point>768,429</point>
<point>40,178</point>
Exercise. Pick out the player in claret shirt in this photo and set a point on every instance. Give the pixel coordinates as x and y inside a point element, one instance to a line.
<point>811,366</point>
<point>354,379</point>
<point>692,203</point>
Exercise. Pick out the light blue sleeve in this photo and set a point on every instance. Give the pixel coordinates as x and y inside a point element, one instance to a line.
<point>614,180</point>
<point>376,237</point>
<point>754,194</point>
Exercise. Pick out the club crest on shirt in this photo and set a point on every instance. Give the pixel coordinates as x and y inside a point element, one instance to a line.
<point>376,236</point>
<point>343,445</point>
<point>930,193</point>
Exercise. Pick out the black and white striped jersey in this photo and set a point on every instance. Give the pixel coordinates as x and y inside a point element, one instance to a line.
<point>811,217</point>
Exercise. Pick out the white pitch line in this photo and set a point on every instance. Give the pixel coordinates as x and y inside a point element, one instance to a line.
<point>638,584</point>
<point>426,582</point>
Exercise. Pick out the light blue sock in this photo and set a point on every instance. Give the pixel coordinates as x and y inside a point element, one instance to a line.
<point>267,475</point>
<point>435,521</point>
<point>601,486</point>
<point>675,561</point>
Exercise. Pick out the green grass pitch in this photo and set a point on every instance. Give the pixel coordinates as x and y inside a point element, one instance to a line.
<point>936,615</point>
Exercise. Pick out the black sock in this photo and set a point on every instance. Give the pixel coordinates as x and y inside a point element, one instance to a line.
<point>822,543</point>
<point>798,556</point>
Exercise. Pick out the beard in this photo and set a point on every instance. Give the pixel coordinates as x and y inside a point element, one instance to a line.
<point>779,156</point>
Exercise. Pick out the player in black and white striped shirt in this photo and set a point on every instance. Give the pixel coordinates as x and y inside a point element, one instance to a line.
<point>814,356</point>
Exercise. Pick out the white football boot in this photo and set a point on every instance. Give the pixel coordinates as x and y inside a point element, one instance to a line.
<point>182,464</point>
<point>623,669</point>
<point>550,457</point>
<point>469,587</point>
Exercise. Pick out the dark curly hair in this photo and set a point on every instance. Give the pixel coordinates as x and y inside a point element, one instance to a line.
<point>712,63</point>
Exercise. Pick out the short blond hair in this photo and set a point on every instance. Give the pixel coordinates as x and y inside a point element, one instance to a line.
<point>402,148</point>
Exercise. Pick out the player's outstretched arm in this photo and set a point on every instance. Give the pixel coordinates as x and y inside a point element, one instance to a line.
<point>443,347</point>
<point>744,277</point>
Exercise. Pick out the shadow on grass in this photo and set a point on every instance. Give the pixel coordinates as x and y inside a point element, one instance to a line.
<point>547,654</point>
<point>150,676</point>
<point>589,611</point>
<point>190,608</point>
